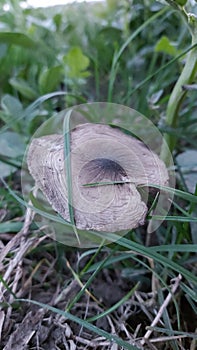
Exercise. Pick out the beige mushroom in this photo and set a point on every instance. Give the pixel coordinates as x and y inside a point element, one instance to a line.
<point>99,153</point>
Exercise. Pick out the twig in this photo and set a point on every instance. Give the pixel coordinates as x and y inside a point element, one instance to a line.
<point>162,308</point>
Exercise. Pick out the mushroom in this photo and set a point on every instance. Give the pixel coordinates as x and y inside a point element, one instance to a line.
<point>99,153</point>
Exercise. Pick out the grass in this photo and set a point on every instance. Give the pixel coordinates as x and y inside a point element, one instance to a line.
<point>139,290</point>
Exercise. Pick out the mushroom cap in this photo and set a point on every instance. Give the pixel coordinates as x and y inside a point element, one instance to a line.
<point>99,153</point>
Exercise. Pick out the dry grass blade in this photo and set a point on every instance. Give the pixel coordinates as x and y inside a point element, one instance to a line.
<point>162,308</point>
<point>16,239</point>
<point>12,273</point>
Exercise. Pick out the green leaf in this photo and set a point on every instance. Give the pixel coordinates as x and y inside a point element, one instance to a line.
<point>164,45</point>
<point>11,145</point>
<point>23,87</point>
<point>18,39</point>
<point>50,79</point>
<point>181,2</point>
<point>58,20</point>
<point>11,105</point>
<point>77,63</point>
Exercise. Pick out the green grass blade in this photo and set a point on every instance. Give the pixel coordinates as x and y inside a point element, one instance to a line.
<point>184,195</point>
<point>118,54</point>
<point>32,107</point>
<point>123,242</point>
<point>190,248</point>
<point>115,306</point>
<point>67,154</point>
<point>96,271</point>
<point>173,218</point>
<point>169,332</point>
<point>7,287</point>
<point>151,76</point>
<point>55,218</point>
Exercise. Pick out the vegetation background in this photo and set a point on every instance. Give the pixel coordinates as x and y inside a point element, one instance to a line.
<point>55,297</point>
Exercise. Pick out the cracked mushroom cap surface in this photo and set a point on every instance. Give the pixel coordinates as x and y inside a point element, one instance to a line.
<point>99,153</point>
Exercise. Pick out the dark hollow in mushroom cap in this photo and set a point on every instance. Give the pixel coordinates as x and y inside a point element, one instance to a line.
<point>99,153</point>
<point>100,168</point>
